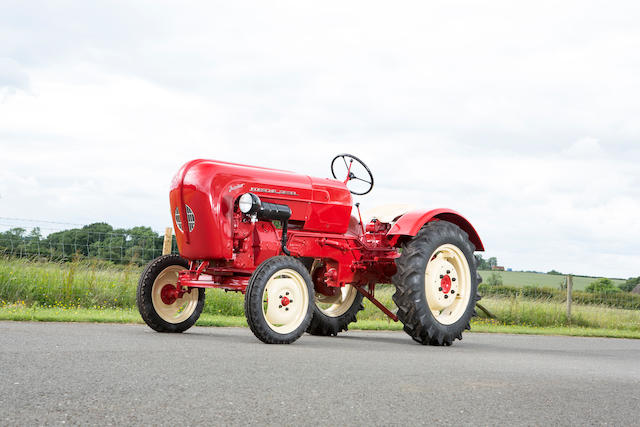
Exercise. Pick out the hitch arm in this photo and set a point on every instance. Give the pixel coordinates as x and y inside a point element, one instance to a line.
<point>377,303</point>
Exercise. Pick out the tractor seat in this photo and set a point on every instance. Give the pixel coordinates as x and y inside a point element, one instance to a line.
<point>386,213</point>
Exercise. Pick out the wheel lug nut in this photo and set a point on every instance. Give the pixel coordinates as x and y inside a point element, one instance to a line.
<point>280,296</point>
<point>442,276</point>
<point>440,289</point>
<point>453,279</point>
<point>452,292</point>
<point>287,293</point>
<point>446,296</point>
<point>286,309</point>
<point>279,306</point>
<point>448,271</point>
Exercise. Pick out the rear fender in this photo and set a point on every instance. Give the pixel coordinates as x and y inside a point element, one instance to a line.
<point>410,223</point>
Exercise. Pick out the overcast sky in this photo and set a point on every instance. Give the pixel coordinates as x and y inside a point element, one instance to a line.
<point>523,116</point>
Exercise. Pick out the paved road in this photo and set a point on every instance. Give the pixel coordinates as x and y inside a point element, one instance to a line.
<point>55,373</point>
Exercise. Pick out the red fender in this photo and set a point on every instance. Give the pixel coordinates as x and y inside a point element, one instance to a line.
<point>410,223</point>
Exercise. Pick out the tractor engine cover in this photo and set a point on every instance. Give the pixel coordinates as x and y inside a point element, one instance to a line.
<point>203,194</point>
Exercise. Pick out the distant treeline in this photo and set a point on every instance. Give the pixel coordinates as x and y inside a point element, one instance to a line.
<point>99,240</point>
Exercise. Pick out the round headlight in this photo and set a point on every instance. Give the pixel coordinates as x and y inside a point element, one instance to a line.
<point>248,203</point>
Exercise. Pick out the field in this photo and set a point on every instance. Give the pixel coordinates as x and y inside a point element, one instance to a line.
<point>520,279</point>
<point>100,292</point>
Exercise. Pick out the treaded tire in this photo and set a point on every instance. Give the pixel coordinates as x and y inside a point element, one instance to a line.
<point>324,325</point>
<point>410,296</point>
<point>253,301</point>
<point>144,299</point>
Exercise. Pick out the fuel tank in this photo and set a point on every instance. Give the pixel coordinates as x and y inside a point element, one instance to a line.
<point>205,191</point>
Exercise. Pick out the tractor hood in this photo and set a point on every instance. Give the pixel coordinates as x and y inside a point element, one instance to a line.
<point>205,191</point>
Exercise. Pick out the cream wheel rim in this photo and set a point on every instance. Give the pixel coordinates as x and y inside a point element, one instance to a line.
<point>334,306</point>
<point>182,308</point>
<point>285,301</point>
<point>447,284</point>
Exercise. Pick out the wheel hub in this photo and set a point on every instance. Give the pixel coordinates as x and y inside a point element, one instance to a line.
<point>169,294</point>
<point>441,282</point>
<point>445,284</point>
<point>172,302</point>
<point>286,301</point>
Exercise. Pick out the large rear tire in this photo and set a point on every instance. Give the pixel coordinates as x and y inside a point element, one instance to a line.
<point>332,315</point>
<point>279,300</point>
<point>158,306</point>
<point>436,284</point>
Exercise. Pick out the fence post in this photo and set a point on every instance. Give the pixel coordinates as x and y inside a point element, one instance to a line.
<point>166,245</point>
<point>569,296</point>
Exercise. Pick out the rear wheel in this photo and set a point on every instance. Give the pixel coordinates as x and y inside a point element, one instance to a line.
<point>436,284</point>
<point>332,314</point>
<point>279,300</point>
<point>334,308</point>
<point>158,302</point>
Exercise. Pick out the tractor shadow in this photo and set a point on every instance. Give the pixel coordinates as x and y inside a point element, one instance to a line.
<point>243,335</point>
<point>393,338</point>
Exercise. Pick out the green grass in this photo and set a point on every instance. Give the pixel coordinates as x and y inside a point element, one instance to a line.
<point>482,326</point>
<point>93,291</point>
<point>21,312</point>
<point>88,284</point>
<point>624,300</point>
<point>537,313</point>
<point>520,279</point>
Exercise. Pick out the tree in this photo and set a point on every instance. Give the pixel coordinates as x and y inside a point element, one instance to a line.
<point>12,242</point>
<point>481,263</point>
<point>144,243</point>
<point>97,240</point>
<point>602,286</point>
<point>33,241</point>
<point>555,273</point>
<point>630,284</point>
<point>484,264</point>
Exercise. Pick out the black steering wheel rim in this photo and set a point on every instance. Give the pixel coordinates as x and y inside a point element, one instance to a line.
<point>351,175</point>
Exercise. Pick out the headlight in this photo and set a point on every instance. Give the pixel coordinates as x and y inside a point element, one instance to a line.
<point>249,203</point>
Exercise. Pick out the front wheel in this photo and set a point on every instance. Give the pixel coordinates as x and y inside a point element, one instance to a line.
<point>157,299</point>
<point>436,284</point>
<point>279,300</point>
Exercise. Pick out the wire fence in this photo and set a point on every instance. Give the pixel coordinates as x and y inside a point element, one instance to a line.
<point>612,298</point>
<point>114,257</point>
<point>613,309</point>
<point>138,245</point>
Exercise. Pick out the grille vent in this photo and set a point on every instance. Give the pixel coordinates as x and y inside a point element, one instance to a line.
<point>191,218</point>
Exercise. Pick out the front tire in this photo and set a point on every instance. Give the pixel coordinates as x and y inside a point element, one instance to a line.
<point>158,307</point>
<point>279,300</point>
<point>436,284</point>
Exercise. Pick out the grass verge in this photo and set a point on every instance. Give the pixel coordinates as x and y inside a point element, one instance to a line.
<point>93,291</point>
<point>21,312</point>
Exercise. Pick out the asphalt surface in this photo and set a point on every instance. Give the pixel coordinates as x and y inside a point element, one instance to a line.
<point>92,374</point>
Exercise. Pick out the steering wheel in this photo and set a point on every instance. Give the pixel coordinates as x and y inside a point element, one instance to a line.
<point>352,174</point>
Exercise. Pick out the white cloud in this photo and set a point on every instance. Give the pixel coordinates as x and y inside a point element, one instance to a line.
<point>13,75</point>
<point>585,147</point>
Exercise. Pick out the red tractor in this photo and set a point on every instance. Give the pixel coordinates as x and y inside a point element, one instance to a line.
<point>291,245</point>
